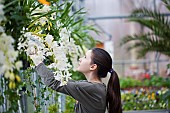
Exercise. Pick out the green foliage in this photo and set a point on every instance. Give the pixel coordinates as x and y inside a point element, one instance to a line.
<point>53,108</point>
<point>77,76</point>
<point>18,14</point>
<point>166,97</point>
<point>69,106</point>
<point>1,99</point>
<point>129,82</point>
<point>70,102</point>
<point>38,99</point>
<point>157,39</point>
<point>11,95</point>
<point>155,81</point>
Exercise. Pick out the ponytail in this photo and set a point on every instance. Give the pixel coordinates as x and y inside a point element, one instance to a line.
<point>113,99</point>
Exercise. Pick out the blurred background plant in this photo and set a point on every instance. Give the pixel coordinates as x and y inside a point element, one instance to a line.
<point>146,94</point>
<point>156,40</point>
<point>144,99</point>
<point>154,81</point>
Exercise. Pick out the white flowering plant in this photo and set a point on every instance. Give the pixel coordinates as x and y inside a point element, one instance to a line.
<point>45,46</point>
<point>8,62</point>
<point>9,68</point>
<point>9,65</point>
<point>55,36</point>
<point>55,52</point>
<point>53,32</point>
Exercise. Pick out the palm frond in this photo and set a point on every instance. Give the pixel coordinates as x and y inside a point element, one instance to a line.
<point>159,24</point>
<point>167,3</point>
<point>135,37</point>
<point>145,43</point>
<point>158,39</point>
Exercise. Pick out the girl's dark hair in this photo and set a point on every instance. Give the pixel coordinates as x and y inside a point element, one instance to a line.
<point>104,65</point>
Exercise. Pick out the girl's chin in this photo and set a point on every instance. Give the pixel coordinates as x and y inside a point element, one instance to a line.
<point>78,69</point>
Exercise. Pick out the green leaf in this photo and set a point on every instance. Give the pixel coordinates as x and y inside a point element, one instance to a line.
<point>66,10</point>
<point>166,96</point>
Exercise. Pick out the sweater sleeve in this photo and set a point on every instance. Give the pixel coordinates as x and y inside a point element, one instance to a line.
<point>80,91</point>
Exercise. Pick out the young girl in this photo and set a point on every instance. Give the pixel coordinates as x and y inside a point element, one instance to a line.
<point>92,95</point>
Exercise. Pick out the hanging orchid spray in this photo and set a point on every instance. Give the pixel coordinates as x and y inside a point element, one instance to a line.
<point>45,46</point>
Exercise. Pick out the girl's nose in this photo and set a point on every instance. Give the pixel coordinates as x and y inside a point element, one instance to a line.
<point>80,59</point>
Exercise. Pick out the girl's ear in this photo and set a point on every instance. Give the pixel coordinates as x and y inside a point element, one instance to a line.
<point>93,67</point>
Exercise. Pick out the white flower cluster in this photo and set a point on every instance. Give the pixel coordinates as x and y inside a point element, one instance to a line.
<point>59,50</point>
<point>8,55</point>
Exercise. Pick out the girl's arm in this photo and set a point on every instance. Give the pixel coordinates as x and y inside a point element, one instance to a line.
<point>81,91</point>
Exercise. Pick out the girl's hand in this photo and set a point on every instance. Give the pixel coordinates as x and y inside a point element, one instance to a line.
<point>36,58</point>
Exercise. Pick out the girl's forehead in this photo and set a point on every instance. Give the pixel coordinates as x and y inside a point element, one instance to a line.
<point>89,52</point>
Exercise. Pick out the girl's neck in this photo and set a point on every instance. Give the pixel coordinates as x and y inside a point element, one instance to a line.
<point>93,78</point>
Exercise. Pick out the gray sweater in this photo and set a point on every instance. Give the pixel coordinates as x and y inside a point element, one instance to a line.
<point>91,97</point>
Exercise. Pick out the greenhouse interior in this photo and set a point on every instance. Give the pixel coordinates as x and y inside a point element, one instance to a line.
<point>84,56</point>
